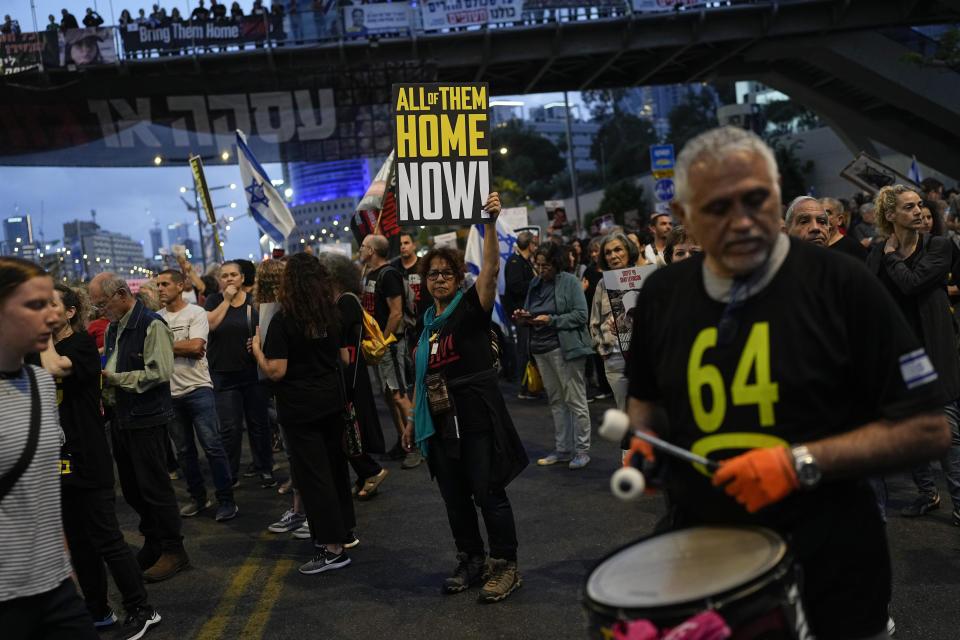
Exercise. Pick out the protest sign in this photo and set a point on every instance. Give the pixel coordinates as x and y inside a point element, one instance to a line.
<point>871,175</point>
<point>534,229</point>
<point>514,217</point>
<point>442,144</point>
<point>623,286</point>
<point>641,6</point>
<point>441,14</point>
<point>448,239</point>
<point>88,46</point>
<point>168,35</point>
<point>387,17</point>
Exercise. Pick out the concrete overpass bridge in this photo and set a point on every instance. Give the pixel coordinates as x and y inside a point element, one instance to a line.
<point>842,58</point>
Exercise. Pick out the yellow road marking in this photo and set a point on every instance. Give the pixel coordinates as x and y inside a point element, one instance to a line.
<point>221,615</point>
<point>257,621</point>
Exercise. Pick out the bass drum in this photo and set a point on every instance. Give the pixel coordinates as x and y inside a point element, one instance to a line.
<point>745,574</point>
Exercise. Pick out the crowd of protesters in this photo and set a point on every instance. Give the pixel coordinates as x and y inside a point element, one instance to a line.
<point>288,352</point>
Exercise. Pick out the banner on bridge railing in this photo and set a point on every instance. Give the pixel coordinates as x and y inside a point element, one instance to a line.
<point>373,19</point>
<point>443,14</point>
<point>168,35</point>
<point>646,6</point>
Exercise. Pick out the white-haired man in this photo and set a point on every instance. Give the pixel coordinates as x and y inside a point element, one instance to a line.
<point>807,220</point>
<point>770,327</point>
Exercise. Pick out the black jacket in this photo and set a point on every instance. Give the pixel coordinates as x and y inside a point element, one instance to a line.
<point>517,274</point>
<point>926,283</point>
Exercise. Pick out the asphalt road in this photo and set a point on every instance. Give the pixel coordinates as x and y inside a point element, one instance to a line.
<point>243,581</point>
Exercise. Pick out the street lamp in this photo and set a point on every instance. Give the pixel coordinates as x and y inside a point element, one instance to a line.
<point>157,160</point>
<point>503,151</point>
<point>225,156</point>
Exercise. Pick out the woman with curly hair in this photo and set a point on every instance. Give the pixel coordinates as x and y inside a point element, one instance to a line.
<point>299,356</point>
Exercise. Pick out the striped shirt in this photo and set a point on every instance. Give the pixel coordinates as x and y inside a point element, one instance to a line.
<point>32,557</point>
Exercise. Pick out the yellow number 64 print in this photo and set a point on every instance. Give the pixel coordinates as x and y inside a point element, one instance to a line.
<point>755,357</point>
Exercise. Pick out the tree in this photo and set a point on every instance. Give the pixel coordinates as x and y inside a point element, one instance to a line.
<point>621,146</point>
<point>694,115</point>
<point>947,53</point>
<point>620,197</point>
<point>782,113</point>
<point>511,194</point>
<point>530,157</point>
<point>794,174</point>
<point>603,103</point>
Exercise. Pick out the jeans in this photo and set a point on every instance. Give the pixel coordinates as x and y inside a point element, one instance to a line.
<point>58,614</point>
<point>465,485</point>
<point>240,398</point>
<point>950,463</point>
<point>323,481</point>
<point>93,534</point>
<point>567,393</point>
<point>145,482</point>
<point>196,413</point>
<point>613,367</point>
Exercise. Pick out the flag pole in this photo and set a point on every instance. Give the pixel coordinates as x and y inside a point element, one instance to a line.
<point>376,227</point>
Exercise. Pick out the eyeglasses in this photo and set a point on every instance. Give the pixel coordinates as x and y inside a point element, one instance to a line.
<point>100,307</point>
<point>448,274</point>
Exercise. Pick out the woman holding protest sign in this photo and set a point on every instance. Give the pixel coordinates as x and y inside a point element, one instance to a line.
<point>460,420</point>
<point>556,309</point>
<point>616,252</point>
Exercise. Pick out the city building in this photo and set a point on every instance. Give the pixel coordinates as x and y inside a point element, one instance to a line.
<point>91,250</point>
<point>550,121</point>
<point>156,242</point>
<point>18,237</point>
<point>322,197</point>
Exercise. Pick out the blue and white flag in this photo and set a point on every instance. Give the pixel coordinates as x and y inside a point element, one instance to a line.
<point>915,171</point>
<point>266,206</point>
<point>474,259</point>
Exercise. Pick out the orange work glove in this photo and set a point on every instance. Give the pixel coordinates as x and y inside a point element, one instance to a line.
<point>644,447</point>
<point>758,477</point>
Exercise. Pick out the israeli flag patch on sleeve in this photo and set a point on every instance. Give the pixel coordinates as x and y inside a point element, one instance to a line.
<point>916,369</point>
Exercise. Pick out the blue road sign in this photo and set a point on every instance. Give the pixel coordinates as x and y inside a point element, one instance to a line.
<point>661,157</point>
<point>663,189</point>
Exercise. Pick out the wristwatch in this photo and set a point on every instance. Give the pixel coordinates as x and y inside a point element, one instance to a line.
<point>806,466</point>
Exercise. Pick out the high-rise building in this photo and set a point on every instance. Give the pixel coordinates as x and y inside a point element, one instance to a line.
<point>550,121</point>
<point>156,241</point>
<point>91,250</point>
<point>323,196</point>
<point>18,237</point>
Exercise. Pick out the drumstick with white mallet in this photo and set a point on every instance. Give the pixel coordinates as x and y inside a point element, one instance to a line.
<point>627,483</point>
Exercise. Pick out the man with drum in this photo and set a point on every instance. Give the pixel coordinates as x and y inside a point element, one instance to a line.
<point>767,328</point>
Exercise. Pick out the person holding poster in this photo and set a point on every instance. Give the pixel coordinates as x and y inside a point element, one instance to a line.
<point>616,252</point>
<point>460,419</point>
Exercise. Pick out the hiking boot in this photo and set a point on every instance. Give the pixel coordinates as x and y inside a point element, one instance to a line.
<point>227,511</point>
<point>554,458</point>
<point>167,566</point>
<point>148,555</point>
<point>922,505</point>
<point>412,460</point>
<point>579,461</point>
<point>325,560</point>
<point>303,531</point>
<point>470,571</point>
<point>138,622</point>
<point>289,521</point>
<point>195,506</point>
<point>502,580</point>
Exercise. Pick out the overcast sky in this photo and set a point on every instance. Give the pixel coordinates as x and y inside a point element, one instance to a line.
<point>129,201</point>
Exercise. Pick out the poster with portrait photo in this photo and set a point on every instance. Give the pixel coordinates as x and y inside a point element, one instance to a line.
<point>871,175</point>
<point>87,47</point>
<point>623,288</point>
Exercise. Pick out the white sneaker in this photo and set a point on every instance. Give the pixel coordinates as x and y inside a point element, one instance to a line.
<point>289,521</point>
<point>303,531</point>
<point>891,626</point>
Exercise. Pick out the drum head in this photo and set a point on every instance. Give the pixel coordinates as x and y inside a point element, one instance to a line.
<point>684,566</point>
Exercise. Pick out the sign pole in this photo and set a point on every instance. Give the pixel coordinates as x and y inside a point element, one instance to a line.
<point>573,162</point>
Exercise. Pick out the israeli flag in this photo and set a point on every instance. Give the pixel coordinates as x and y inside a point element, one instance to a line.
<point>474,259</point>
<point>915,171</point>
<point>266,206</point>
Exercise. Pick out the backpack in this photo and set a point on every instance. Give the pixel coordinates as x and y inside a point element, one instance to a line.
<point>372,343</point>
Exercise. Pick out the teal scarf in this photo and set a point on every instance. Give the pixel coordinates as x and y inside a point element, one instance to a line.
<point>423,423</point>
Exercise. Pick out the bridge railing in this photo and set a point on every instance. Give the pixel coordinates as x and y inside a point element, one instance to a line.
<point>78,48</point>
